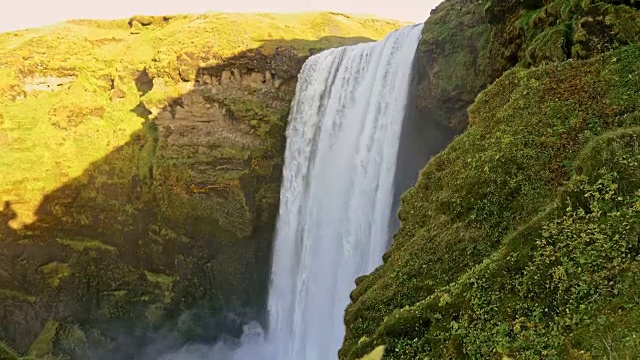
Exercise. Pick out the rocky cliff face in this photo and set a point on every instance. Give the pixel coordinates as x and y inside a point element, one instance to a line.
<point>171,228</point>
<point>468,44</point>
<point>520,239</point>
<point>178,219</point>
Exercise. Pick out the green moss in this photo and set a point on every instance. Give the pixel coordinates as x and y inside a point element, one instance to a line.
<point>521,230</point>
<point>454,63</point>
<point>43,345</point>
<point>590,28</point>
<point>222,203</point>
<point>55,136</point>
<point>17,295</point>
<point>6,353</point>
<point>159,278</point>
<point>466,45</point>
<point>56,272</point>
<point>165,282</point>
<point>81,244</point>
<point>549,47</point>
<point>71,340</point>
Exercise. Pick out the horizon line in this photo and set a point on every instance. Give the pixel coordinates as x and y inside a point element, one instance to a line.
<point>115,18</point>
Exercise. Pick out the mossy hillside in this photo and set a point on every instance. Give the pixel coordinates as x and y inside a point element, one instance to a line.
<point>519,240</point>
<point>132,192</point>
<point>562,287</point>
<point>452,61</point>
<point>66,130</point>
<point>7,353</point>
<point>43,346</point>
<point>468,44</point>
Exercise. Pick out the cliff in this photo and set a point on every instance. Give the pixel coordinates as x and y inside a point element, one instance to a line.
<point>140,174</point>
<point>520,240</point>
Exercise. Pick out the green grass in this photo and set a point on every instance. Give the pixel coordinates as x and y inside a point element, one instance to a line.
<point>50,138</point>
<point>376,354</point>
<point>17,295</point>
<point>6,353</point>
<point>56,272</point>
<point>43,345</point>
<point>519,240</point>
<point>467,44</point>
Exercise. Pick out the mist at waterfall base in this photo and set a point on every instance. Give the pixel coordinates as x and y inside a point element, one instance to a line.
<point>336,200</point>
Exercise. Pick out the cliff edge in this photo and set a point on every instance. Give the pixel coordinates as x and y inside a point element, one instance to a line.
<point>520,240</point>
<point>139,181</point>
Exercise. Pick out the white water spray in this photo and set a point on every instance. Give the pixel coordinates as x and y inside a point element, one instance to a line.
<point>337,191</point>
<point>336,198</point>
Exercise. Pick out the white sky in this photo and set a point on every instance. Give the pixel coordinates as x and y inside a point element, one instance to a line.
<point>32,13</point>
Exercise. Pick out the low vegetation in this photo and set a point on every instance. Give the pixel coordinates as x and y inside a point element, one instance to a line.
<point>468,44</point>
<point>140,173</point>
<point>52,136</point>
<point>520,241</point>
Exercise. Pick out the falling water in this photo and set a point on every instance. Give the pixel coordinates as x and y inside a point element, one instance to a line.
<point>336,198</point>
<point>337,191</point>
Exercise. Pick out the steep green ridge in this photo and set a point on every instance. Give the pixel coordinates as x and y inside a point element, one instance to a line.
<point>521,239</point>
<point>468,44</point>
<point>7,353</point>
<point>140,172</point>
<point>103,70</point>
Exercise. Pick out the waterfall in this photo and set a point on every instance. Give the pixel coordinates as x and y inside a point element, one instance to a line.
<point>337,191</point>
<point>336,198</point>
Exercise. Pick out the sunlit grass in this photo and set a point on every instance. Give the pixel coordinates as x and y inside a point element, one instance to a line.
<point>48,138</point>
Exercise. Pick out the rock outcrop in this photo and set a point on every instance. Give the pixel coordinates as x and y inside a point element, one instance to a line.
<point>178,219</point>
<point>140,196</point>
<point>468,44</point>
<point>46,83</point>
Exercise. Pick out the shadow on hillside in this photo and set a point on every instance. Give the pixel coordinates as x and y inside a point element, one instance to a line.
<point>6,216</point>
<point>422,138</point>
<point>134,243</point>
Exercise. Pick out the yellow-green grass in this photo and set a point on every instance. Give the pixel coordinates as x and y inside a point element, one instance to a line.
<point>48,138</point>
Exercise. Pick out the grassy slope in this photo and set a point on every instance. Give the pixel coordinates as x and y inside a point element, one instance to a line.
<point>520,240</point>
<point>7,353</point>
<point>53,137</point>
<point>114,222</point>
<point>494,256</point>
